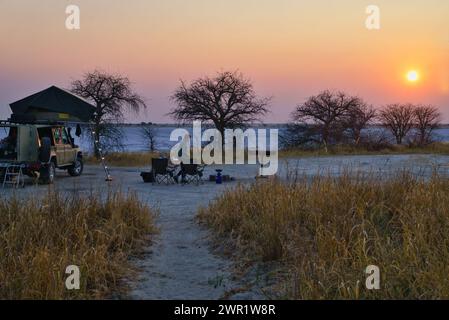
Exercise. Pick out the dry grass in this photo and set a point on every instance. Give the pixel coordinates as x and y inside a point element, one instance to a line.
<point>326,231</point>
<point>434,148</point>
<point>125,159</point>
<point>39,239</point>
<point>143,159</point>
<point>134,159</point>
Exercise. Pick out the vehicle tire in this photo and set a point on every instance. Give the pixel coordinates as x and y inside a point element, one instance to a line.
<point>47,173</point>
<point>77,169</point>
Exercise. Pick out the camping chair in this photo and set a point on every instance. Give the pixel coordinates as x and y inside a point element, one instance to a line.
<point>192,173</point>
<point>161,171</point>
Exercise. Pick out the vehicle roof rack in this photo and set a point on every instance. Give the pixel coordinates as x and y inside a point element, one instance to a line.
<point>42,122</point>
<point>10,121</point>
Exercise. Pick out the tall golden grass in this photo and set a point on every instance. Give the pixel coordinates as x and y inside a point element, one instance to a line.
<point>125,159</point>
<point>40,238</point>
<point>325,231</point>
<point>143,159</point>
<point>433,148</point>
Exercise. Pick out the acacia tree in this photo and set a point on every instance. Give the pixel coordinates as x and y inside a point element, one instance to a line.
<point>427,119</point>
<point>227,100</point>
<point>359,116</point>
<point>327,113</point>
<point>399,119</point>
<point>112,95</point>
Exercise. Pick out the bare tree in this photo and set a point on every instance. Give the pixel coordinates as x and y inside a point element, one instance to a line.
<point>327,112</point>
<point>399,119</point>
<point>359,116</point>
<point>148,134</point>
<point>427,119</point>
<point>112,95</point>
<point>299,135</point>
<point>227,100</point>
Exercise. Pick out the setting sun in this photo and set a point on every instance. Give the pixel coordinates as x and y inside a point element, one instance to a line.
<point>412,76</point>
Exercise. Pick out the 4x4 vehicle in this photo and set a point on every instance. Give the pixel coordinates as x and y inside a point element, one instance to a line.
<point>39,149</point>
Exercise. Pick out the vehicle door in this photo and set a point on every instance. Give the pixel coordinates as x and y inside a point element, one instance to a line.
<point>69,150</point>
<point>27,143</point>
<point>59,146</point>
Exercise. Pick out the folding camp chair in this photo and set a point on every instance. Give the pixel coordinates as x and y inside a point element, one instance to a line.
<point>192,173</point>
<point>161,171</point>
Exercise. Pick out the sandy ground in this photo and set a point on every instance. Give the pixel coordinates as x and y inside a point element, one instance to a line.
<point>181,263</point>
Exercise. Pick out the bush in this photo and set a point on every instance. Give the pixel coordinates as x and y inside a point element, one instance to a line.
<point>39,239</point>
<point>325,232</point>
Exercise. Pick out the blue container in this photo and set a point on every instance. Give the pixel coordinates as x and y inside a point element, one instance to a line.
<point>219,178</point>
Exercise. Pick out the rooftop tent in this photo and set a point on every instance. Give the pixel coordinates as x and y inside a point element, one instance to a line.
<point>54,104</point>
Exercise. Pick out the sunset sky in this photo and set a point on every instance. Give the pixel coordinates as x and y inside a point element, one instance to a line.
<point>290,49</point>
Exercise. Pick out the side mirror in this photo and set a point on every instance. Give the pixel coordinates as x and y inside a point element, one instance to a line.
<point>78,130</point>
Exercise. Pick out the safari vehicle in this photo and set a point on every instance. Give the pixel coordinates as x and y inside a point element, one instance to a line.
<point>38,149</point>
<point>35,140</point>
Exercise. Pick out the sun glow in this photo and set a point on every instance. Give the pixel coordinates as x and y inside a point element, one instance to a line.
<point>412,76</point>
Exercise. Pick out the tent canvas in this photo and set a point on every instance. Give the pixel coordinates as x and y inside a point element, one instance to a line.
<point>54,104</point>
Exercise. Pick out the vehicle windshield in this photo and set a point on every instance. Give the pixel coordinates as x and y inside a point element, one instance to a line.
<point>8,143</point>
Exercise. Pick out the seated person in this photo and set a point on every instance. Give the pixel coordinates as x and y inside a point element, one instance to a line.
<point>180,173</point>
<point>171,168</point>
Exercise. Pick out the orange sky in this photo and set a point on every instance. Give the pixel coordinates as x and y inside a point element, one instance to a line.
<point>291,49</point>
